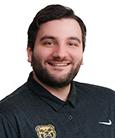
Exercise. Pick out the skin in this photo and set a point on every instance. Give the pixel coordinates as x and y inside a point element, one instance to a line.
<point>59,51</point>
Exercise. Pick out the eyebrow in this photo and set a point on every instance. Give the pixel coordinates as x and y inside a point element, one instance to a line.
<point>74,38</point>
<point>46,37</point>
<point>52,37</point>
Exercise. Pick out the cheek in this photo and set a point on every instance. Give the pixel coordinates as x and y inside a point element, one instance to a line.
<point>77,56</point>
<point>41,54</point>
<point>77,60</point>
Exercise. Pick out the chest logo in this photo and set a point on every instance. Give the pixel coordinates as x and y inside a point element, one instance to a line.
<point>46,131</point>
<point>109,123</point>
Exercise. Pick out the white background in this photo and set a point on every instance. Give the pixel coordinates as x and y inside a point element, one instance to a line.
<point>99,56</point>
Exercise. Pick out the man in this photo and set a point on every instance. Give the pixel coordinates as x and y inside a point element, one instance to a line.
<point>50,104</point>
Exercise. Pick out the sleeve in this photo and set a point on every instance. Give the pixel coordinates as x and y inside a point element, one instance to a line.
<point>6,128</point>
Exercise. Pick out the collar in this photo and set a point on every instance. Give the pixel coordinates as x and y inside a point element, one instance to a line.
<point>50,99</point>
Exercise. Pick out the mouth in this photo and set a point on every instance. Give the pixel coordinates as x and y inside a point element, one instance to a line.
<point>55,64</point>
<point>59,64</point>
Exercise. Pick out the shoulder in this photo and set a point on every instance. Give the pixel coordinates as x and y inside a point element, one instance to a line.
<point>15,100</point>
<point>95,91</point>
<point>94,88</point>
<point>11,111</point>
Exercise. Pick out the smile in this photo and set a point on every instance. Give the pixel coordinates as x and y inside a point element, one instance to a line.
<point>59,64</point>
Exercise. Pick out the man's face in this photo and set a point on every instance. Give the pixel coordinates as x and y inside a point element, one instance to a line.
<point>58,52</point>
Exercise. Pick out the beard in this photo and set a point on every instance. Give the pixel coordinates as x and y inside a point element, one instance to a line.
<point>47,78</point>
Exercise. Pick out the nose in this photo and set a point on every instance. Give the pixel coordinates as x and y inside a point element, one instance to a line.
<point>60,51</point>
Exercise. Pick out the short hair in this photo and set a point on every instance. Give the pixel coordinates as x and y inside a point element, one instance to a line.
<point>49,13</point>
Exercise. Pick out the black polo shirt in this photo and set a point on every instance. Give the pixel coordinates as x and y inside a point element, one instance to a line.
<point>32,112</point>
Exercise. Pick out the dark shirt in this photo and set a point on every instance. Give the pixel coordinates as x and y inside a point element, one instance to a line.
<point>32,112</point>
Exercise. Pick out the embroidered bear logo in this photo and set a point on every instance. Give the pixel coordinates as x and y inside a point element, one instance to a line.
<point>46,131</point>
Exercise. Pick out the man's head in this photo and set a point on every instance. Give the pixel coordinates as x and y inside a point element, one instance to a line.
<point>56,40</point>
<point>49,13</point>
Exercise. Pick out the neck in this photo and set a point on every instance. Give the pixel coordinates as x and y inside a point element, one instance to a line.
<point>61,93</point>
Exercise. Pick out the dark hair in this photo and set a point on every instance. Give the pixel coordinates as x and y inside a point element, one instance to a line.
<point>49,13</point>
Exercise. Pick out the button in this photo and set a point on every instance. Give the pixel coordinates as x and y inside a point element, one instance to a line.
<point>70,117</point>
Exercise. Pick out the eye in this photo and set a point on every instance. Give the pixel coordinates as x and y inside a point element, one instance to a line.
<point>48,43</point>
<point>73,44</point>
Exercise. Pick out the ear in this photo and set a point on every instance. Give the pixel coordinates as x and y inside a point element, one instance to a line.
<point>29,53</point>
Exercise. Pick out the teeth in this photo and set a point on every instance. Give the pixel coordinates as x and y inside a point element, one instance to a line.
<point>60,64</point>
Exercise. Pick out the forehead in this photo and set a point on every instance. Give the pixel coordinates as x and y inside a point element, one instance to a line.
<point>60,28</point>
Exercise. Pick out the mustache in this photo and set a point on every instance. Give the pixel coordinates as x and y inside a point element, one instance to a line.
<point>59,59</point>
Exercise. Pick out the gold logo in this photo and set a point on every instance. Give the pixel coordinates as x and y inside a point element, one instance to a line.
<point>46,131</point>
